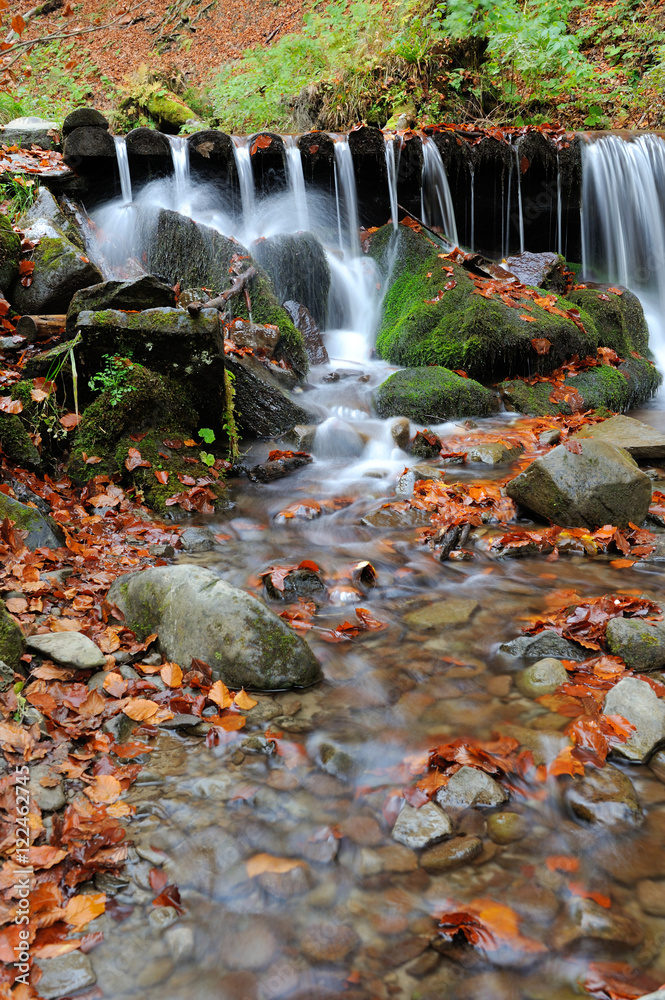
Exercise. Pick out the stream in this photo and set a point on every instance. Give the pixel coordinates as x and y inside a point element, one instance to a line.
<point>356,916</point>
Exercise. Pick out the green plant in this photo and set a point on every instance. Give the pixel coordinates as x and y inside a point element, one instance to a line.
<point>113,378</point>
<point>229,423</point>
<point>208,436</point>
<point>21,702</point>
<point>18,192</point>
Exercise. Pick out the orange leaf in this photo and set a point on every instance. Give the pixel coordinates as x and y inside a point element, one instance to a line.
<point>220,694</point>
<point>104,788</point>
<point>171,674</point>
<point>46,856</point>
<point>162,476</point>
<point>9,405</point>
<point>243,700</point>
<point>578,889</point>
<point>260,863</point>
<point>141,709</point>
<point>115,684</point>
<point>80,910</point>
<point>230,723</point>
<point>528,319</point>
<point>622,563</point>
<point>261,142</point>
<point>562,863</point>
<point>541,345</point>
<point>70,420</point>
<point>18,25</point>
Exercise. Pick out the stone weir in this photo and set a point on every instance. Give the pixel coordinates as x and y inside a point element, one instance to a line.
<point>510,191</point>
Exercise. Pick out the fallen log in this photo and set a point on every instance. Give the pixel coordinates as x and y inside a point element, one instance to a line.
<point>238,284</point>
<point>40,327</point>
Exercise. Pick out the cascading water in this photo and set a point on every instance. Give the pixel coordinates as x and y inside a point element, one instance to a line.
<point>123,168</point>
<point>347,200</point>
<point>623,221</point>
<point>181,172</point>
<point>520,213</point>
<point>559,208</point>
<point>472,242</point>
<point>296,179</point>
<point>392,169</point>
<point>243,162</point>
<point>436,203</point>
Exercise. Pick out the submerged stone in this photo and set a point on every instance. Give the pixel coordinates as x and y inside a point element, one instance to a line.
<point>198,615</point>
<point>450,854</point>
<point>636,701</point>
<point>643,442</point>
<point>471,787</point>
<point>455,611</point>
<point>604,795</point>
<point>421,827</point>
<point>542,677</point>
<point>543,645</point>
<point>432,394</point>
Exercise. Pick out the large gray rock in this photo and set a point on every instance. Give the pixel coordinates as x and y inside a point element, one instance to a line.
<point>146,292</point>
<point>43,532</point>
<point>71,649</point>
<point>61,269</point>
<point>639,643</point>
<point>604,795</point>
<point>471,787</point>
<point>642,441</point>
<point>543,645</point>
<point>65,975</point>
<point>45,208</point>
<point>30,131</point>
<point>636,701</point>
<point>418,828</point>
<point>198,615</point>
<point>298,268</point>
<point>600,485</point>
<point>265,408</point>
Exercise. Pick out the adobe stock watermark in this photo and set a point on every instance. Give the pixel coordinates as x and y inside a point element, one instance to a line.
<point>24,873</point>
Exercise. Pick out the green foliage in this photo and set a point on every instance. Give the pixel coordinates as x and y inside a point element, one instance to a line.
<point>229,422</point>
<point>206,435</point>
<point>10,108</point>
<point>21,702</point>
<point>17,194</point>
<point>113,377</point>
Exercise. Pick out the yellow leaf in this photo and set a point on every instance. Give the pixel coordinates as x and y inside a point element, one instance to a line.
<point>104,788</point>
<point>220,694</point>
<point>119,809</point>
<point>171,674</point>
<point>243,700</point>
<point>261,863</point>
<point>80,910</point>
<point>141,709</point>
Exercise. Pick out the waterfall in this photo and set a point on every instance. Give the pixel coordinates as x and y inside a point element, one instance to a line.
<point>123,168</point>
<point>623,221</point>
<point>180,157</point>
<point>296,180</point>
<point>520,213</point>
<point>472,241</point>
<point>243,163</point>
<point>559,208</point>
<point>436,204</point>
<point>392,163</point>
<point>345,189</point>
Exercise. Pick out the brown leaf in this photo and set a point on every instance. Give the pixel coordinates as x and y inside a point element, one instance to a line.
<point>70,420</point>
<point>80,910</point>
<point>261,863</point>
<point>162,476</point>
<point>540,344</point>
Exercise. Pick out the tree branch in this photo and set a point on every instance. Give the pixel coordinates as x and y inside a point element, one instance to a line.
<point>238,285</point>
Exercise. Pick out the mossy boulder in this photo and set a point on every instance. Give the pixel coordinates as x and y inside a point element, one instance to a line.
<point>12,643</point>
<point>16,442</point>
<point>169,109</point>
<point>10,253</point>
<point>432,394</point>
<point>619,319</point>
<point>198,615</point>
<point>153,413</point>
<point>297,266</point>
<point>433,314</point>
<point>196,256</point>
<point>61,269</point>
<point>616,389</point>
<point>146,292</point>
<point>42,531</point>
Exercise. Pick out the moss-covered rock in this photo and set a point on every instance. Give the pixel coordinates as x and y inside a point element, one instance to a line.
<point>12,643</point>
<point>61,269</point>
<point>10,253</point>
<point>619,319</point>
<point>195,256</point>
<point>169,109</point>
<point>298,268</point>
<point>16,442</point>
<point>432,394</point>
<point>42,531</point>
<point>146,292</point>
<point>433,314</point>
<point>615,389</point>
<point>155,411</point>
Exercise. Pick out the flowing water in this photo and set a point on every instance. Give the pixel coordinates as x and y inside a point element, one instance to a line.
<point>437,207</point>
<point>123,168</point>
<point>355,918</point>
<point>296,178</point>
<point>392,171</point>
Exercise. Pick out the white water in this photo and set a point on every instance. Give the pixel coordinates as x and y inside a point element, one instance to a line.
<point>123,168</point>
<point>436,204</point>
<point>519,198</point>
<point>243,163</point>
<point>181,174</point>
<point>623,222</point>
<point>346,198</point>
<point>472,243</point>
<point>392,170</point>
<point>296,179</point>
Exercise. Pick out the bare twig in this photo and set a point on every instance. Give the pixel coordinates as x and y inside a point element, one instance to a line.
<point>238,284</point>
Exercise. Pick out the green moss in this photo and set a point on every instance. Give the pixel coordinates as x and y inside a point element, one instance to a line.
<point>424,323</point>
<point>432,394</point>
<point>10,253</point>
<point>16,442</point>
<point>601,388</point>
<point>169,109</point>
<point>619,319</point>
<point>12,643</point>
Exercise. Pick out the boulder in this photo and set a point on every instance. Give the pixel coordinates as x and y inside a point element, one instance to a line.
<point>418,828</point>
<point>264,407</point>
<point>304,322</point>
<point>46,208</point>
<point>641,644</point>
<point>604,795</point>
<point>16,442</point>
<point>198,615</point>
<point>12,643</point>
<point>10,253</point>
<point>494,453</point>
<point>43,532</point>
<point>71,649</point>
<point>542,677</point>
<point>471,787</point>
<point>540,270</point>
<point>84,117</point>
<point>431,395</point>
<point>633,382</point>
<point>146,292</point>
<point>30,131</point>
<point>65,974</point>
<point>543,645</point>
<point>619,318</point>
<point>599,485</point>
<point>643,442</point>
<point>61,269</point>
<point>636,701</point>
<point>298,269</point>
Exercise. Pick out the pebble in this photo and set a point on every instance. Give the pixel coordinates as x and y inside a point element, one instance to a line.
<point>161,917</point>
<point>439,614</point>
<point>651,896</point>
<point>251,947</point>
<point>284,885</point>
<point>584,919</point>
<point>335,762</point>
<point>450,854</point>
<point>329,942</point>
<point>542,677</point>
<point>657,764</point>
<point>362,830</point>
<point>180,942</point>
<point>507,827</point>
<point>70,649</point>
<point>471,787</point>
<point>417,828</point>
<point>65,974</point>
<point>397,858</point>
<point>400,431</point>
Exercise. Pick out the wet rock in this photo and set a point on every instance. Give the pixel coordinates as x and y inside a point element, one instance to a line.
<point>61,269</point>
<point>265,408</point>
<point>450,854</point>
<point>65,975</point>
<point>46,208</point>
<point>197,540</point>
<point>544,645</point>
<point>604,795</point>
<point>440,614</point>
<point>552,436</point>
<point>507,827</point>
<point>30,131</point>
<point>12,645</point>
<point>544,746</point>
<point>277,468</point>
<point>161,917</point>
<point>284,885</point>
<point>299,583</point>
<point>329,942</point>
<point>432,394</point>
<point>180,942</point>
<point>542,677</point>
<point>304,322</point>
<point>636,701</point>
<point>49,797</point>
<point>585,919</point>
<point>471,787</point>
<point>600,485</point>
<point>640,644</point>
<point>82,118</point>
<point>261,338</point>
<point>418,828</point>
<point>298,268</point>
<point>410,477</point>
<point>657,764</point>
<point>494,453</point>
<point>537,269</point>
<point>651,896</point>
<point>198,615</point>
<point>362,830</point>
<point>203,862</point>
<point>643,442</point>
<point>302,436</point>
<point>43,532</point>
<point>146,292</point>
<point>645,859</point>
<point>400,432</point>
<point>334,761</point>
<point>425,445</point>
<point>387,517</point>
<point>397,858</point>
<point>71,649</point>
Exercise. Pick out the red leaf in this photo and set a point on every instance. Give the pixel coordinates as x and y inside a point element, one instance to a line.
<point>162,476</point>
<point>18,25</point>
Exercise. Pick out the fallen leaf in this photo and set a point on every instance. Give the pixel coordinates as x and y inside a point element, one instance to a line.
<point>80,910</point>
<point>261,863</point>
<point>242,700</point>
